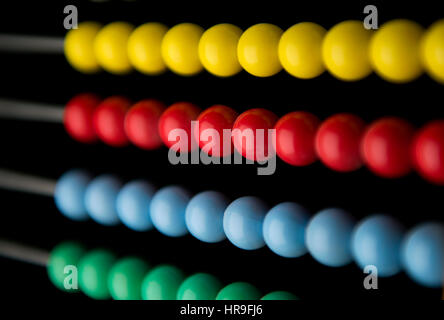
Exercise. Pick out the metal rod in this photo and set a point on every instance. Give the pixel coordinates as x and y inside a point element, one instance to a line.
<point>24,253</point>
<point>31,44</point>
<point>14,109</point>
<point>26,183</point>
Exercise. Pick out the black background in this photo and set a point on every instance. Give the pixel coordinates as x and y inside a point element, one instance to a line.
<point>46,150</point>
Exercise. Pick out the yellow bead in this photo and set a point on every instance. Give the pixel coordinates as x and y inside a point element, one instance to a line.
<point>433,51</point>
<point>395,51</point>
<point>110,47</point>
<point>180,48</point>
<point>144,48</point>
<point>218,50</point>
<point>345,50</point>
<point>258,50</point>
<point>79,47</point>
<point>300,50</point>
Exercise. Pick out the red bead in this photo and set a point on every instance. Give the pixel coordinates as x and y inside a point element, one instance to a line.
<point>141,124</point>
<point>338,142</point>
<point>245,141</point>
<point>179,116</point>
<point>78,117</point>
<point>386,147</point>
<point>428,152</point>
<point>109,120</point>
<point>218,118</point>
<point>295,138</point>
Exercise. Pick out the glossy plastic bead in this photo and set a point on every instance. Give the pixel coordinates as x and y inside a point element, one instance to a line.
<point>328,237</point>
<point>133,205</point>
<point>345,51</point>
<point>386,147</point>
<point>125,278</point>
<point>199,286</point>
<point>180,49</point>
<point>300,50</point>
<point>144,48</point>
<point>110,47</point>
<point>218,50</point>
<point>100,198</point>
<point>141,124</point>
<point>243,220</point>
<point>69,194</point>
<point>395,51</point>
<point>423,254</point>
<point>162,283</point>
<point>167,210</point>
<point>280,295</point>
<point>295,138</point>
<point>432,49</point>
<point>376,241</point>
<point>79,49</point>
<point>238,291</point>
<point>338,142</point>
<point>204,216</point>
<point>284,229</point>
<point>257,50</point>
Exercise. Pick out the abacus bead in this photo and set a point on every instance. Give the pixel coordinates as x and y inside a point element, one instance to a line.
<point>63,255</point>
<point>94,268</point>
<point>78,117</point>
<point>125,278</point>
<point>133,205</point>
<point>345,51</point>
<point>280,295</point>
<point>328,237</point>
<point>238,291</point>
<point>79,49</point>
<point>295,138</point>
<point>429,151</point>
<point>110,47</point>
<point>245,134</point>
<point>109,120</point>
<point>180,49</point>
<point>216,119</point>
<point>243,221</point>
<point>423,254</point>
<point>176,120</point>
<point>167,210</point>
<point>395,51</point>
<point>284,229</point>
<point>432,48</point>
<point>257,50</point>
<point>218,50</point>
<point>199,286</point>
<point>204,216</point>
<point>386,147</point>
<point>338,142</point>
<point>141,124</point>
<point>377,241</point>
<point>100,198</point>
<point>300,50</point>
<point>162,283</point>
<point>144,46</point>
<point>69,194</point>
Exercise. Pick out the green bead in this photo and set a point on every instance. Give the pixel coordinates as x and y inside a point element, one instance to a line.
<point>239,291</point>
<point>162,283</point>
<point>66,254</point>
<point>125,278</point>
<point>94,268</point>
<point>280,295</point>
<point>200,286</point>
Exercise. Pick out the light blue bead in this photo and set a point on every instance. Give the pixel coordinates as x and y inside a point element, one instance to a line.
<point>328,237</point>
<point>69,194</point>
<point>284,229</point>
<point>100,199</point>
<point>133,205</point>
<point>168,210</point>
<point>205,214</point>
<point>423,254</point>
<point>376,241</point>
<point>243,221</point>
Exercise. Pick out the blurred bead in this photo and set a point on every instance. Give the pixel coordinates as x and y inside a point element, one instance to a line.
<point>280,295</point>
<point>199,286</point>
<point>162,283</point>
<point>432,48</point>
<point>239,291</point>
<point>125,278</point>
